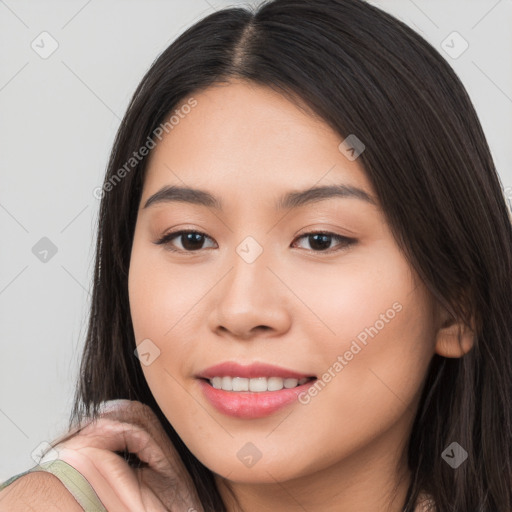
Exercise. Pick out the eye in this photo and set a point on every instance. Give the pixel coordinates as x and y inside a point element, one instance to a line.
<point>190,240</point>
<point>321,241</point>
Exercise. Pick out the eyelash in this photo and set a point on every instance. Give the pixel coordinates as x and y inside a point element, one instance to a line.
<point>347,242</point>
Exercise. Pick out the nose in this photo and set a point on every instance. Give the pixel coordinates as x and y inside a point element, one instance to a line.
<point>250,301</point>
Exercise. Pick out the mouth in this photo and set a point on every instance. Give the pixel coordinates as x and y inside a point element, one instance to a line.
<point>255,384</point>
<point>253,398</point>
<point>254,390</point>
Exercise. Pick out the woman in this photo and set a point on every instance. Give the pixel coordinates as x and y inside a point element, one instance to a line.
<point>304,239</point>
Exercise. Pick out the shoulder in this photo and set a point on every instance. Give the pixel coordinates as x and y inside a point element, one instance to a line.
<point>38,491</point>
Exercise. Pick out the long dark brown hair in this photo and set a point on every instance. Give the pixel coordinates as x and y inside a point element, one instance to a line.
<point>365,73</point>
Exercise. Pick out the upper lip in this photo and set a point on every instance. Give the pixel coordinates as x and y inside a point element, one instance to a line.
<point>232,369</point>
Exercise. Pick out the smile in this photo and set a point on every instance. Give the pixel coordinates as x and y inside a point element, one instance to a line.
<point>253,404</point>
<point>256,385</point>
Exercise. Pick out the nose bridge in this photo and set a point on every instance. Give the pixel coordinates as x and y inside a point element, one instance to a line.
<point>250,297</point>
<point>249,250</point>
<point>249,272</point>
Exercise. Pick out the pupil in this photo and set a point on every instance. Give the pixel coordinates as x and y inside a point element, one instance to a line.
<point>320,241</point>
<point>193,241</point>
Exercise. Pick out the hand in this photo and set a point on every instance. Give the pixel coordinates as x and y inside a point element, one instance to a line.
<point>161,484</point>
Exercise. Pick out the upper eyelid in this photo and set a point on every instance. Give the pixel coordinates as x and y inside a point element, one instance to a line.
<point>166,238</point>
<point>173,234</point>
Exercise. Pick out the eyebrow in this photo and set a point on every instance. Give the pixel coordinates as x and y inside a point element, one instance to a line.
<point>293,199</point>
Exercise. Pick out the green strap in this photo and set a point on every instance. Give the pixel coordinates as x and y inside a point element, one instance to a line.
<point>72,479</point>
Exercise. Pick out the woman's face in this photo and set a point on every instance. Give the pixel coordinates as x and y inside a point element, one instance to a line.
<point>258,287</point>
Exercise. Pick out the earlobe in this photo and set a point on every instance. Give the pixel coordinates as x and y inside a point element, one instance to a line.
<point>454,338</point>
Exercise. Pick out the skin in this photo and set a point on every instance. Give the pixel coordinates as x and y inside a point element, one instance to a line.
<point>293,307</point>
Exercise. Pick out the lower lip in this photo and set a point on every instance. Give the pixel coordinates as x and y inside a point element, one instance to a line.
<point>251,405</point>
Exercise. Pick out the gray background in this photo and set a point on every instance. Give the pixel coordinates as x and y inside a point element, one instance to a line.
<point>58,120</point>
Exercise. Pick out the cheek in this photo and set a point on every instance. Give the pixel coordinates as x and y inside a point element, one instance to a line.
<point>383,341</point>
<point>165,305</point>
<point>162,295</point>
<point>374,298</point>
<point>374,314</point>
<point>160,306</point>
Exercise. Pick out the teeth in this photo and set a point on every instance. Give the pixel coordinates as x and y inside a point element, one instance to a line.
<point>227,383</point>
<point>256,385</point>
<point>275,384</point>
<point>239,384</point>
<point>290,383</point>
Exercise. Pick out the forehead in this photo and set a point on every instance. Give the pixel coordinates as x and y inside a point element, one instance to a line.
<point>248,135</point>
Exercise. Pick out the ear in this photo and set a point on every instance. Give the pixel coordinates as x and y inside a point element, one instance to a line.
<point>454,338</point>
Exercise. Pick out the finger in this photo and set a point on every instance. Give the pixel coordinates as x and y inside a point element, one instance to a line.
<point>118,486</point>
<point>141,414</point>
<point>115,405</point>
<point>132,411</point>
<point>143,435</point>
<point>110,408</point>
<point>168,479</point>
<point>137,413</point>
<point>103,487</point>
<point>116,436</point>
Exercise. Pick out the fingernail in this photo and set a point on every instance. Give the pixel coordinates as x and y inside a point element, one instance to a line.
<point>112,405</point>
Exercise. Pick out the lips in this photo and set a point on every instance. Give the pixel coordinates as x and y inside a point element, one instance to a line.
<point>248,404</point>
<point>232,369</point>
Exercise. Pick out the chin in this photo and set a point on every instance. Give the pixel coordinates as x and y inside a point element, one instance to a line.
<point>262,472</point>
